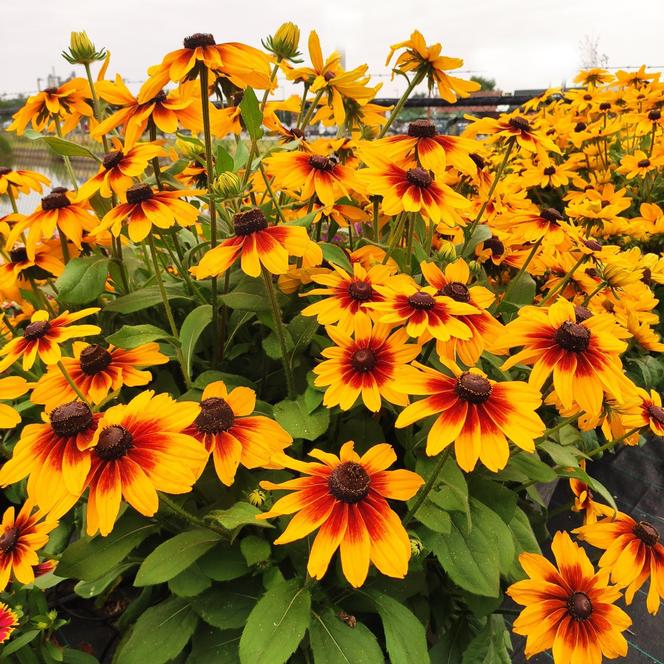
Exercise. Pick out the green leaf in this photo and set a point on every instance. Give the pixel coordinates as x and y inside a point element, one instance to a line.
<point>60,146</point>
<point>276,625</point>
<point>524,540</point>
<point>481,233</point>
<point>530,466</point>
<point>295,418</point>
<point>255,549</point>
<point>145,298</point>
<point>240,514</point>
<point>251,114</point>
<point>212,646</point>
<point>159,634</point>
<point>302,330</point>
<point>434,518</point>
<point>192,328</point>
<point>19,642</point>
<point>305,221</point>
<point>404,634</point>
<point>563,455</point>
<point>223,563</point>
<point>248,295</point>
<point>175,555</point>
<point>131,336</point>
<point>491,645</point>
<point>223,607</point>
<point>335,642</point>
<point>523,290</point>
<point>495,496</point>
<point>474,557</point>
<point>333,253</point>
<point>70,656</point>
<point>191,582</point>
<point>88,589</point>
<point>89,559</point>
<point>83,280</point>
<point>223,161</point>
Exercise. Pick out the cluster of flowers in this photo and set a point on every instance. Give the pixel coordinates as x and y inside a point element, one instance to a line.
<point>442,267</point>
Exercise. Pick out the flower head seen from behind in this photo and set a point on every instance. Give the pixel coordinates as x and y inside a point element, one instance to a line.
<point>633,553</point>
<point>138,449</point>
<point>227,428</point>
<point>21,536</point>
<point>346,497</point>
<point>569,608</point>
<point>475,413</point>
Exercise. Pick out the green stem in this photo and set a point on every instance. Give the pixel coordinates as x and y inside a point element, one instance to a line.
<point>396,236</point>
<point>95,102</point>
<point>268,186</point>
<point>279,330</point>
<point>494,184</point>
<point>422,495</point>
<point>167,306</point>
<point>41,296</point>
<point>565,280</point>
<point>376,224</point>
<point>525,265</point>
<point>187,516</point>
<point>612,443</point>
<point>417,79</point>
<point>72,384</point>
<point>601,285</point>
<point>67,160</point>
<point>156,169</point>
<point>312,108</point>
<point>12,198</point>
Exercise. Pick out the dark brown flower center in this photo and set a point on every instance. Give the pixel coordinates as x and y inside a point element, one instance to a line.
<point>36,330</point>
<point>647,533</point>
<point>112,159</point>
<point>457,291</point>
<point>321,163</point>
<point>363,359</point>
<point>251,221</point>
<point>519,123</point>
<point>473,387</point>
<point>199,39</point>
<point>551,215</point>
<point>646,278</point>
<point>71,419</point>
<point>644,163</point>
<point>139,193</point>
<point>421,300</point>
<point>18,255</point>
<point>55,200</point>
<point>549,170</point>
<point>582,313</point>
<point>51,91</point>
<point>114,442</point>
<point>59,190</point>
<point>587,97</point>
<point>573,337</point>
<point>579,127</point>
<point>8,539</point>
<point>657,413</point>
<point>296,133</point>
<point>593,245</point>
<point>422,129</point>
<point>419,177</point>
<point>579,606</point>
<point>329,75</point>
<point>215,416</point>
<point>360,291</point>
<point>605,106</point>
<point>349,482</point>
<point>94,359</point>
<point>495,246</point>
<point>654,115</point>
<point>479,161</point>
<point>4,170</point>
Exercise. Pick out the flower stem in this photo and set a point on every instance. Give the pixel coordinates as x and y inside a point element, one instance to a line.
<point>417,79</point>
<point>187,516</point>
<point>422,495</point>
<point>72,384</point>
<point>169,311</point>
<point>612,443</point>
<point>523,268</point>
<point>95,102</point>
<point>312,107</point>
<point>279,331</point>
<point>67,160</point>
<point>589,297</point>
<point>565,280</point>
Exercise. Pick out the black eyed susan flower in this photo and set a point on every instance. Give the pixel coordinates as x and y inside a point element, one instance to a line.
<point>370,364</point>
<point>42,338</point>
<point>144,208</point>
<point>14,181</point>
<point>8,622</point>
<point>255,244</point>
<point>16,272</point>
<point>648,412</point>
<point>569,608</point>
<point>632,552</point>
<point>96,371</point>
<point>475,413</point>
<point>21,536</point>
<point>345,497</point>
<point>138,449</point>
<point>227,428</point>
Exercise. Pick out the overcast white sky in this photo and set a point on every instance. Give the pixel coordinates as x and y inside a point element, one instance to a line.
<point>520,43</point>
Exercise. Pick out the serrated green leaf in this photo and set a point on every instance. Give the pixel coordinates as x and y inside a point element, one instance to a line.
<point>240,514</point>
<point>333,253</point>
<point>132,336</point>
<point>295,418</point>
<point>83,280</point>
<point>225,607</point>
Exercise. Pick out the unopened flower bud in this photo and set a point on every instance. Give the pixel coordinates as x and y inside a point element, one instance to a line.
<point>284,42</point>
<point>226,185</point>
<point>82,51</point>
<point>416,546</point>
<point>257,497</point>
<point>447,250</point>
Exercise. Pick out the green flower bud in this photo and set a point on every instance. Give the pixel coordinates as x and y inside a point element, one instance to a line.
<point>82,51</point>
<point>284,42</point>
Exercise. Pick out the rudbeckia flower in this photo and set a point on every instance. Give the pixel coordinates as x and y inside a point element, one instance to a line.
<point>8,622</point>
<point>633,554</point>
<point>428,62</point>
<point>639,164</point>
<point>21,181</point>
<point>348,296</point>
<point>139,449</point>
<point>42,337</point>
<point>648,413</point>
<point>21,536</point>
<point>311,174</point>
<point>119,168</point>
<point>227,428</point>
<point>414,190</point>
<point>582,356</point>
<point>475,413</point>
<point>61,209</point>
<point>53,457</point>
<point>370,364</point>
<point>145,208</point>
<point>96,371</point>
<point>569,608</point>
<point>11,387</point>
<point>345,497</point>
<point>584,500</point>
<point>243,65</point>
<point>15,274</point>
<point>256,244</point>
